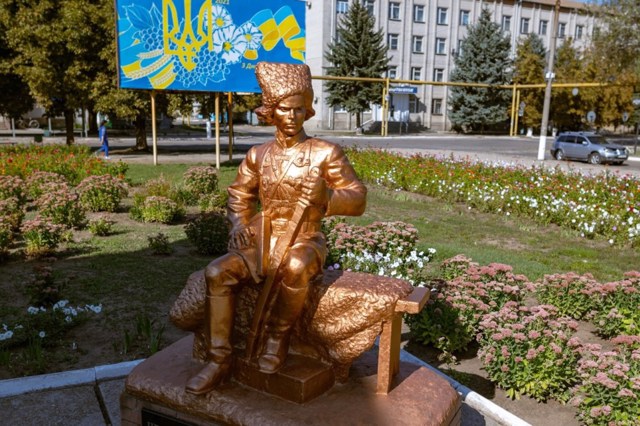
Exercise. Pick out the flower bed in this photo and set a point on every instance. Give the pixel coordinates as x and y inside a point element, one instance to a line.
<point>74,162</point>
<point>606,205</point>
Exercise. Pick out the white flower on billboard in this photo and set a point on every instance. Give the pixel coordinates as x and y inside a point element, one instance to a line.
<point>252,35</point>
<point>231,43</point>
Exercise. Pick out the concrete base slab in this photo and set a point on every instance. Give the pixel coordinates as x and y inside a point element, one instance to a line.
<point>70,406</point>
<point>418,397</point>
<point>110,392</point>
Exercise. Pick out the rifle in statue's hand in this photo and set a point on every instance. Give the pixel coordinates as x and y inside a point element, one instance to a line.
<point>269,290</point>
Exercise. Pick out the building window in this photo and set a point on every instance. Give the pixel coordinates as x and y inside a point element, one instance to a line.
<point>441,46</point>
<point>392,72</point>
<point>414,105</point>
<point>394,11</point>
<point>436,107</point>
<point>524,25</point>
<point>579,31</point>
<point>342,6</point>
<point>418,45</point>
<point>438,74</point>
<point>392,41</point>
<point>442,16</point>
<point>418,13</point>
<point>368,4</point>
<point>464,18</point>
<point>562,29</point>
<point>542,30</point>
<point>416,73</point>
<point>506,23</point>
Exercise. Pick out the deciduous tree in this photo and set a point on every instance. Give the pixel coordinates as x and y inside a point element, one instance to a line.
<point>56,50</point>
<point>529,69</point>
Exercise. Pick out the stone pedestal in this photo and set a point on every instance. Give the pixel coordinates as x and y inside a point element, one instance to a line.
<point>417,397</point>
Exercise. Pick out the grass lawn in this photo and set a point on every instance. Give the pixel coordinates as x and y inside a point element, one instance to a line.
<point>137,288</point>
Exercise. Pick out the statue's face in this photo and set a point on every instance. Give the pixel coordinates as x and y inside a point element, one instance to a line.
<point>289,115</point>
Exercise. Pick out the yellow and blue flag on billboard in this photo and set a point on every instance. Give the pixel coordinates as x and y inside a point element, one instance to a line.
<point>205,45</point>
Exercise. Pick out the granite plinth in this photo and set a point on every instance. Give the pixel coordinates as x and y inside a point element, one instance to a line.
<point>417,397</point>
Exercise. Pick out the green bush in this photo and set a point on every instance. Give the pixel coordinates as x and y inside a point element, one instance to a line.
<point>101,226</point>
<point>200,181</point>
<point>214,202</point>
<point>159,244</point>
<point>451,318</point>
<point>610,382</point>
<point>6,237</point>
<point>101,193</point>
<point>156,209</point>
<point>209,232</point>
<point>62,207</point>
<point>41,236</point>
<point>11,213</point>
<point>12,187</point>
<point>530,351</point>
<point>41,182</point>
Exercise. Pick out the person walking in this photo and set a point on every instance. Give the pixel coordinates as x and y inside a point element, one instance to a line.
<point>104,139</point>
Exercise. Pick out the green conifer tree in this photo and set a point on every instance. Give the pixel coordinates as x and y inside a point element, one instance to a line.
<point>358,51</point>
<point>484,59</point>
<point>529,69</point>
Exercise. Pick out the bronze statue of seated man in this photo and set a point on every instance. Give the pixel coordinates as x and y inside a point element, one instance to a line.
<point>296,180</point>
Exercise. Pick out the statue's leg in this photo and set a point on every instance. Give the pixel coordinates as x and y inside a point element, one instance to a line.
<point>299,268</point>
<point>222,277</point>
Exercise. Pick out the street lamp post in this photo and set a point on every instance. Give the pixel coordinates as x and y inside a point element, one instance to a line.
<point>549,76</point>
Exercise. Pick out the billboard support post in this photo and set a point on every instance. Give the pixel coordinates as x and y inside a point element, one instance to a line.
<point>230,123</point>
<point>154,139</point>
<point>217,130</point>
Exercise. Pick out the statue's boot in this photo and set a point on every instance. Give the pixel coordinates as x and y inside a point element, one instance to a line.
<point>285,313</point>
<point>219,311</point>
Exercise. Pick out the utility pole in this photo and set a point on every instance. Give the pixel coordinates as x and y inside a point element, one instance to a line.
<point>542,147</point>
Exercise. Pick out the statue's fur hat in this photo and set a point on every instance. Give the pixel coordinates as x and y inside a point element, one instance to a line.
<point>278,81</point>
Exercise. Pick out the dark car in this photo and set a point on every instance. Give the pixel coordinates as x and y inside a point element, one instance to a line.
<point>587,146</point>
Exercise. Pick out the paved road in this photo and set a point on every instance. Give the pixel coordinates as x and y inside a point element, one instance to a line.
<point>522,150</point>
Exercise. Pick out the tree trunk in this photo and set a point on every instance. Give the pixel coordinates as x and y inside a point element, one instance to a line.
<point>141,132</point>
<point>93,123</point>
<point>69,116</point>
<point>358,120</point>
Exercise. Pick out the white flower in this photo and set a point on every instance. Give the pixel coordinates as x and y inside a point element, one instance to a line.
<point>220,17</point>
<point>230,42</point>
<point>95,308</point>
<point>67,319</point>
<point>60,304</point>
<point>252,34</point>
<point>42,334</point>
<point>32,310</point>
<point>6,335</point>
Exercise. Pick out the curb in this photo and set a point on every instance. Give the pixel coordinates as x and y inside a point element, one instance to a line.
<point>474,400</point>
<point>64,379</point>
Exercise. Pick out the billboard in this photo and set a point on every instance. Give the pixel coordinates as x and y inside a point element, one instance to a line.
<point>205,45</point>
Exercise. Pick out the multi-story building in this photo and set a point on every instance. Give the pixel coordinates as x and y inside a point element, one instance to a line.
<point>423,37</point>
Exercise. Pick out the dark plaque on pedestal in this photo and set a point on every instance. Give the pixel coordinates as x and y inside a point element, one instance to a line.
<point>151,418</point>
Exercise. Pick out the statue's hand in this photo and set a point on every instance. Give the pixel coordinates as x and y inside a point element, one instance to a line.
<point>241,237</point>
<point>314,189</point>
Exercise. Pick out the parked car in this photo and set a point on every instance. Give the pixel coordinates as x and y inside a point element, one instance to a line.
<point>587,146</point>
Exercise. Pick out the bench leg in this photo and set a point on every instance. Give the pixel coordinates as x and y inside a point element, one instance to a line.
<point>389,353</point>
